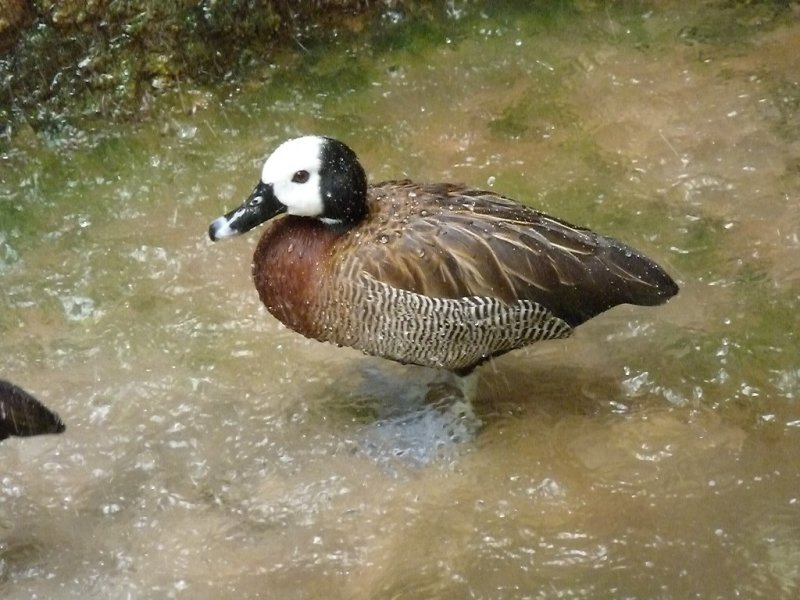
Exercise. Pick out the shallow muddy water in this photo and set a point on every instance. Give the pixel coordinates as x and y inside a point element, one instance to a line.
<point>212,453</point>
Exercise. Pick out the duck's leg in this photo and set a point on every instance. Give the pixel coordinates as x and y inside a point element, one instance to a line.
<point>447,383</point>
<point>429,419</point>
<point>452,396</point>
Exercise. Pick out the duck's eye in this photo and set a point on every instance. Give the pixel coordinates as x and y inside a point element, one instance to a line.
<point>300,177</point>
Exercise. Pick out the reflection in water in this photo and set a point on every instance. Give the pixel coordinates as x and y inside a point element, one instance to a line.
<point>211,452</point>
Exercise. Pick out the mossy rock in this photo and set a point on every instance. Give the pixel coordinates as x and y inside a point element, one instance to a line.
<point>15,16</point>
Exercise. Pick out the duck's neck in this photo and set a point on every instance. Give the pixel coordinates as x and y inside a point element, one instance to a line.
<point>289,266</point>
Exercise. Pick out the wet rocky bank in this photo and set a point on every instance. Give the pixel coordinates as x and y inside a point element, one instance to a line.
<point>62,60</point>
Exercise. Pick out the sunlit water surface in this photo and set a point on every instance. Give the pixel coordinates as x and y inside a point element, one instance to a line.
<point>212,453</point>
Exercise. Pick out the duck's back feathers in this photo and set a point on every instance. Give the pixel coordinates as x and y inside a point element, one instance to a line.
<point>447,241</point>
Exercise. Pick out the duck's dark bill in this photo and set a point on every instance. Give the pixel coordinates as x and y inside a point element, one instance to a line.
<point>259,207</point>
<point>23,415</point>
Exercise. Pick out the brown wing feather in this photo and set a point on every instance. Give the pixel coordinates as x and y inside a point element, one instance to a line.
<point>448,241</point>
<point>21,414</point>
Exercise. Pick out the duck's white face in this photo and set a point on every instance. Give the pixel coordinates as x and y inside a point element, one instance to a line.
<point>310,176</point>
<point>293,172</point>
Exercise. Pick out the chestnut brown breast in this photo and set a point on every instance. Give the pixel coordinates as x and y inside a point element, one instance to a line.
<point>289,266</point>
